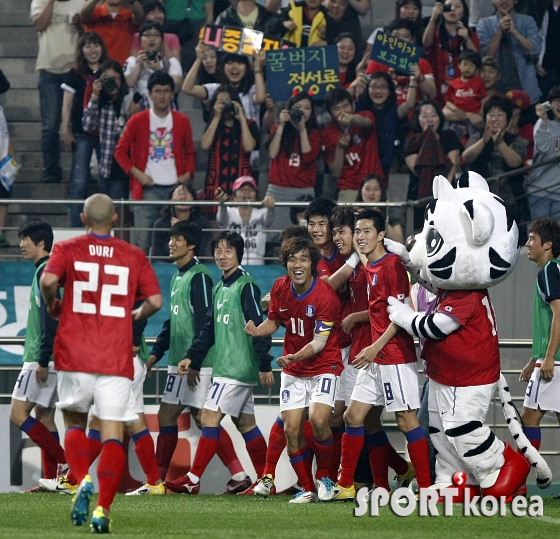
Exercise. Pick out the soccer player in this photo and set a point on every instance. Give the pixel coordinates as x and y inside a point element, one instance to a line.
<point>103,277</point>
<point>240,363</point>
<point>543,247</point>
<point>388,374</point>
<point>36,383</point>
<point>191,296</point>
<point>312,362</point>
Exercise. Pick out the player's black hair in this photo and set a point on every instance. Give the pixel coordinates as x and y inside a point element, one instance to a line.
<point>232,239</point>
<point>161,78</point>
<point>295,245</point>
<point>293,231</point>
<point>335,96</point>
<point>548,229</point>
<point>498,102</point>
<point>321,206</point>
<point>190,231</point>
<point>374,215</point>
<point>471,56</point>
<point>343,216</point>
<point>37,231</point>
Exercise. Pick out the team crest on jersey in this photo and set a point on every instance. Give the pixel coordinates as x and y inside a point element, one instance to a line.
<point>374,279</point>
<point>310,311</point>
<point>448,308</point>
<point>357,139</point>
<point>285,396</point>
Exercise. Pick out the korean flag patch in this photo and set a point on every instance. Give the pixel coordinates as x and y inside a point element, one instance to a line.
<point>310,311</point>
<point>285,396</point>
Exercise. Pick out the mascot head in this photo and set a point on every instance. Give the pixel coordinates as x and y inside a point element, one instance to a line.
<point>469,241</point>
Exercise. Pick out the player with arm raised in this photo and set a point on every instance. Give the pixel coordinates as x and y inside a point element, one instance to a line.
<point>103,277</point>
<point>311,363</point>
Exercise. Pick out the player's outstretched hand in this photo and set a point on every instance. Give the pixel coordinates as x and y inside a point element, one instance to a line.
<point>251,329</point>
<point>183,366</point>
<point>284,361</point>
<point>398,312</point>
<point>41,374</point>
<point>366,357</point>
<point>266,379</point>
<point>55,308</point>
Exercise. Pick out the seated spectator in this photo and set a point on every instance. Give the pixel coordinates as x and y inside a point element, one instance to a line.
<point>514,40</point>
<point>155,12</point>
<point>245,14</point>
<point>173,214</point>
<point>496,151</point>
<point>391,124</point>
<point>114,23</point>
<point>403,29</point>
<point>346,59</point>
<point>447,35</point>
<point>490,74</point>
<point>249,222</point>
<point>431,151</point>
<point>547,16</point>
<point>523,119</point>
<point>90,54</point>
<point>229,140</point>
<point>464,96</point>
<point>342,17</point>
<point>372,189</point>
<point>543,187</point>
<point>350,144</point>
<point>151,58</point>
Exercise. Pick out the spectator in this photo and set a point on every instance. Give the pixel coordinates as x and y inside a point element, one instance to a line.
<point>445,37</point>
<point>496,151</point>
<point>429,152</point>
<point>523,119</point>
<point>464,96</point>
<point>171,215</point>
<point>514,40</point>
<point>548,66</point>
<point>249,222</point>
<point>155,12</point>
<point>4,83</point>
<point>58,37</point>
<point>479,10</point>
<point>542,183</point>
<point>208,74</point>
<point>151,57</point>
<point>6,150</point>
<point>114,23</point>
<point>245,14</point>
<point>391,125</point>
<point>90,54</point>
<point>157,150</point>
<point>490,74</point>
<point>347,51</point>
<point>229,138</point>
<point>337,23</point>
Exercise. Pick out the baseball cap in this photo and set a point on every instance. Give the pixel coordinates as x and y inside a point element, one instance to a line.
<point>519,98</point>
<point>242,180</point>
<point>491,62</point>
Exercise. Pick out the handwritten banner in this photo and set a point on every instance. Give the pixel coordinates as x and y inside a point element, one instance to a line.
<point>309,69</point>
<point>394,52</point>
<point>239,40</point>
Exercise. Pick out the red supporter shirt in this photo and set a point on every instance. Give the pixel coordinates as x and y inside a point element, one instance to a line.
<point>103,277</point>
<point>387,277</point>
<point>361,332</point>
<point>470,356</point>
<point>329,266</point>
<point>300,169</point>
<point>303,316</point>
<point>466,95</point>
<point>361,157</point>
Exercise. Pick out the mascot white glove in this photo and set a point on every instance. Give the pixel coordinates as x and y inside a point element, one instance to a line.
<point>401,314</point>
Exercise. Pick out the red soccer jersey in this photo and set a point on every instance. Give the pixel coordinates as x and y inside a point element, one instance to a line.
<point>470,356</point>
<point>466,95</point>
<point>328,266</point>
<point>387,277</point>
<point>361,157</point>
<point>103,277</point>
<point>300,169</point>
<point>303,316</point>
<point>361,332</point>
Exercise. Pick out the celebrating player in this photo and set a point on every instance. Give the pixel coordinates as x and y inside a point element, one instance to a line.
<point>103,277</point>
<point>311,363</point>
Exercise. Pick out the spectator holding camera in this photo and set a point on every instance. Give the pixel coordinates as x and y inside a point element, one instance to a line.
<point>543,188</point>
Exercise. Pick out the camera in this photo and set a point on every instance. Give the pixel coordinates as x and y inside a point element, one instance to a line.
<point>152,55</point>
<point>296,115</point>
<point>229,107</point>
<point>447,8</point>
<point>546,106</point>
<point>108,84</point>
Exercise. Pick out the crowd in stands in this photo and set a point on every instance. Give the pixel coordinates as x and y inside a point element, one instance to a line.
<point>485,96</point>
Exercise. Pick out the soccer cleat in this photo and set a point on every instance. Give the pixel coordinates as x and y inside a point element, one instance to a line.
<point>405,480</point>
<point>147,489</point>
<point>60,485</point>
<point>99,522</point>
<point>304,497</point>
<point>343,494</point>
<point>35,489</point>
<point>80,502</point>
<point>264,486</point>
<point>291,491</point>
<point>325,489</point>
<point>237,487</point>
<point>183,485</point>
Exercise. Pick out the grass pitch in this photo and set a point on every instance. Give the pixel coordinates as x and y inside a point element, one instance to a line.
<point>225,517</point>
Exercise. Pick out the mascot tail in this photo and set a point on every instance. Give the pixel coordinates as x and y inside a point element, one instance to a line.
<point>544,474</point>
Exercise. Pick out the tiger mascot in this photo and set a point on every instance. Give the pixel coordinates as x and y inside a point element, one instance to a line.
<point>469,243</point>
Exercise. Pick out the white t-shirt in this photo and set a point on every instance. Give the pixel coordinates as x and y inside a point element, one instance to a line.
<point>161,157</point>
